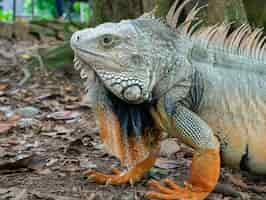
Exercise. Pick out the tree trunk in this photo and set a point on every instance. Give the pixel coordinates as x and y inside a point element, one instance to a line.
<point>163,7</point>
<point>115,10</point>
<point>256,12</point>
<point>218,10</point>
<point>148,5</point>
<point>227,11</point>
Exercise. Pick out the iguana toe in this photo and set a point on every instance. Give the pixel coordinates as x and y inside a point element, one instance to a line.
<point>115,179</point>
<point>172,192</point>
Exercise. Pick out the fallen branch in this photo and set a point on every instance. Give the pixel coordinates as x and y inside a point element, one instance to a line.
<point>26,77</point>
<point>240,183</point>
<point>228,190</point>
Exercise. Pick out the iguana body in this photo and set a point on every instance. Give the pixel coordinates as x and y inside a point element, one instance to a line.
<point>202,85</point>
<point>236,113</point>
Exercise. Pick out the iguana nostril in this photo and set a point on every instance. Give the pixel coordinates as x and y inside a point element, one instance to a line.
<point>78,38</point>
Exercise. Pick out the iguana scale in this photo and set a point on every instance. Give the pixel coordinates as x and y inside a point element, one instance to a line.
<point>203,85</point>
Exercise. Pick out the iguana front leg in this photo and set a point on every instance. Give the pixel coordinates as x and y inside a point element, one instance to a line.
<point>205,167</point>
<point>131,176</point>
<point>112,137</point>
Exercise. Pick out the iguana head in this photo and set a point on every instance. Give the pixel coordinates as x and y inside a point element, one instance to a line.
<point>125,56</point>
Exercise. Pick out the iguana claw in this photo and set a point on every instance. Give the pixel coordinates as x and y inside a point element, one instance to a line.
<point>116,178</point>
<point>172,192</point>
<point>131,176</point>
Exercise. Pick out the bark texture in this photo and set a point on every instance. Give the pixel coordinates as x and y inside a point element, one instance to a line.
<point>256,12</point>
<point>148,5</point>
<point>116,10</point>
<point>226,10</point>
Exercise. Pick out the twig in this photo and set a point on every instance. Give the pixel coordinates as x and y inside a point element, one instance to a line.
<point>227,190</point>
<point>41,64</point>
<point>27,75</point>
<point>240,183</point>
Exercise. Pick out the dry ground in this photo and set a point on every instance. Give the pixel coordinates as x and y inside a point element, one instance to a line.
<point>43,155</point>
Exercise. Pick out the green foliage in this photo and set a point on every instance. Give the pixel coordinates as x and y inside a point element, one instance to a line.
<point>58,56</point>
<point>87,12</point>
<point>256,14</point>
<point>47,10</point>
<point>85,9</point>
<point>234,11</point>
<point>5,16</point>
<point>43,9</point>
<point>76,6</point>
<point>98,9</point>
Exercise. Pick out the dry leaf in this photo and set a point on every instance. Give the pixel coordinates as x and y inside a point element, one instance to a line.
<point>237,180</point>
<point>48,96</point>
<point>47,196</point>
<point>25,56</point>
<point>64,115</point>
<point>33,162</point>
<point>169,147</point>
<point>6,125</point>
<point>28,112</point>
<point>13,194</point>
<point>3,86</point>
<point>165,163</point>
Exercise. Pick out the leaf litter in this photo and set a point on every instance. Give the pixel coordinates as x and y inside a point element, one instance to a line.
<point>48,138</point>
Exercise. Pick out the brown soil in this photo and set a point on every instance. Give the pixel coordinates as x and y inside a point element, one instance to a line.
<point>48,155</point>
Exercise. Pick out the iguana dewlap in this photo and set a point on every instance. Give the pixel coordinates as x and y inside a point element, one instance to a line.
<point>203,85</point>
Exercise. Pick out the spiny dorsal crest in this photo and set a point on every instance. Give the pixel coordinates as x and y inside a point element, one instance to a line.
<point>243,41</point>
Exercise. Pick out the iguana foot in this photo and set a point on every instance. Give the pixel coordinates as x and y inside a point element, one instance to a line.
<point>173,192</point>
<point>116,178</point>
<point>131,176</point>
<point>204,175</point>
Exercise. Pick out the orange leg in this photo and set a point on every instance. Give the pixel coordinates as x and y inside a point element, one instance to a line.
<point>135,154</point>
<point>204,174</point>
<point>131,176</point>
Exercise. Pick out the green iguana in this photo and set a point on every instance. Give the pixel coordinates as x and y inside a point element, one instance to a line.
<point>203,85</point>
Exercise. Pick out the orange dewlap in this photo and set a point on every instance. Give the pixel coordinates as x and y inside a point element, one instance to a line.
<point>138,153</point>
<point>110,133</point>
<point>129,149</point>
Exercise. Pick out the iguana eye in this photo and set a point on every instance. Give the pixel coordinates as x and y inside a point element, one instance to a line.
<point>107,41</point>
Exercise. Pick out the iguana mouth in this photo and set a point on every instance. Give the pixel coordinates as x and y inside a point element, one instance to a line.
<point>86,72</point>
<point>79,65</point>
<point>87,69</point>
<point>113,65</point>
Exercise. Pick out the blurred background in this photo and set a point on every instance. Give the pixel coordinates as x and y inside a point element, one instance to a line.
<point>39,9</point>
<point>81,10</point>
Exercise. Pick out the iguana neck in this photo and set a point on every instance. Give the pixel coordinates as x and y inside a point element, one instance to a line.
<point>194,98</point>
<point>134,119</point>
<point>177,77</point>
